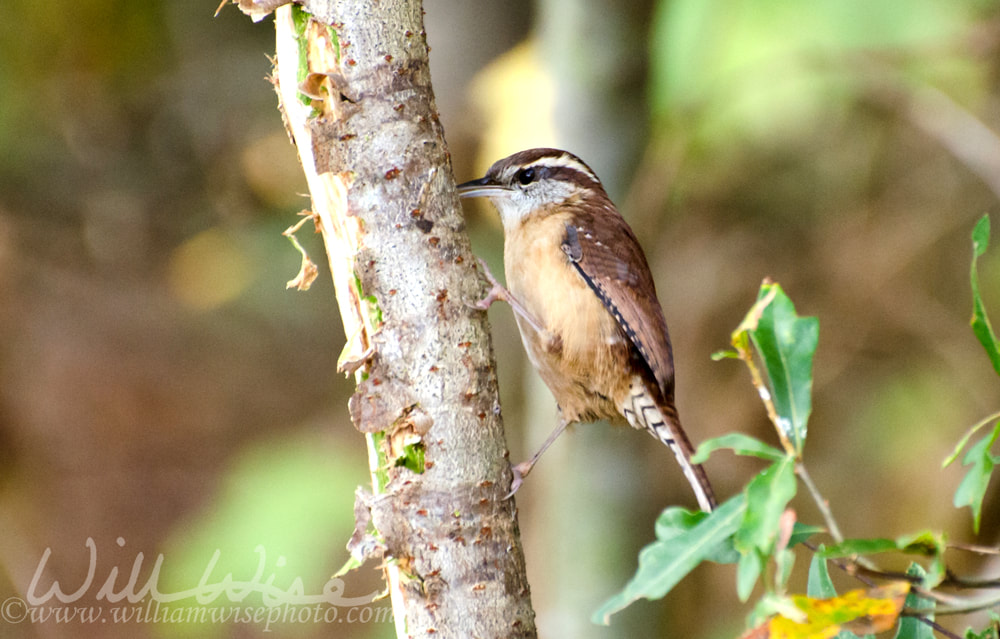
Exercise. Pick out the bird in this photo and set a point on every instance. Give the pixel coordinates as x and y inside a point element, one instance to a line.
<point>585,302</point>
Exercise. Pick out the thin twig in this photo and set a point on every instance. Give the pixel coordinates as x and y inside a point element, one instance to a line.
<point>959,131</point>
<point>961,608</point>
<point>940,597</point>
<point>981,550</point>
<point>953,605</point>
<point>821,502</point>
<point>971,584</point>
<point>938,628</point>
<point>867,572</point>
<point>849,568</point>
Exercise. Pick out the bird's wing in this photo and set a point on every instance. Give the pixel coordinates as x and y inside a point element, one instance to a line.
<point>615,268</point>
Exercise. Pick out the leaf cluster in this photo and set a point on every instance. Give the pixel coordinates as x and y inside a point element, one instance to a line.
<point>758,530</point>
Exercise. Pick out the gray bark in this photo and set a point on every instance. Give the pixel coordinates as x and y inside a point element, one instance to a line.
<point>383,194</point>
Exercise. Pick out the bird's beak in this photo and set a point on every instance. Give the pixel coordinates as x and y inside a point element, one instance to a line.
<point>483,187</point>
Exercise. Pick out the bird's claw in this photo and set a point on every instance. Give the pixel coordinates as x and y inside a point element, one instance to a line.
<point>519,471</point>
<point>497,292</point>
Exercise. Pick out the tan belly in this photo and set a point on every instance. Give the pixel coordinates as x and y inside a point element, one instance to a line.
<point>584,365</point>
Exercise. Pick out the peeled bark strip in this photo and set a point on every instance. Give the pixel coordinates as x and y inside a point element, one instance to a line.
<point>355,90</point>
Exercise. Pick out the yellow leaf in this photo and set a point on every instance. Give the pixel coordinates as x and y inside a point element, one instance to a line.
<point>858,611</point>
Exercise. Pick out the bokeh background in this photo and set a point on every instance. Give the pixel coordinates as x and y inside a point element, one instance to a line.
<point>162,393</point>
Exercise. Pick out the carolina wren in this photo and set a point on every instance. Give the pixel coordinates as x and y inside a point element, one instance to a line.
<point>584,301</point>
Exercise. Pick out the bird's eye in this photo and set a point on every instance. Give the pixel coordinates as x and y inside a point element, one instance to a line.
<point>526,176</point>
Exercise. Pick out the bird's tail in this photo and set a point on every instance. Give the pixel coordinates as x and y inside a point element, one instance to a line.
<point>662,421</point>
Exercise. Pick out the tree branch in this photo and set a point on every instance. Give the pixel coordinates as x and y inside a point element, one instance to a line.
<point>355,91</point>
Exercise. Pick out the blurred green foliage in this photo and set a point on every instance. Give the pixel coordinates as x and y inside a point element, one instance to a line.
<point>282,503</point>
<point>766,69</point>
<point>142,149</point>
<point>757,524</point>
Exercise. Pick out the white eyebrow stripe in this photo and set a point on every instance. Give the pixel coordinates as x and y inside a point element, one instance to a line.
<point>568,162</point>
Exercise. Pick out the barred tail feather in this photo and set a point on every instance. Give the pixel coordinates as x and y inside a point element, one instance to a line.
<point>642,411</point>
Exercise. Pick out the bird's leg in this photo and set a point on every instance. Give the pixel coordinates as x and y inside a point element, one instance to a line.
<point>497,292</point>
<point>521,470</point>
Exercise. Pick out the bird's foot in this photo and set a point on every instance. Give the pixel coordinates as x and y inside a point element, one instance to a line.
<point>519,471</point>
<point>496,293</point>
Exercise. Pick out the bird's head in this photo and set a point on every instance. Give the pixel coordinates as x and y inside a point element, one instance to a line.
<point>533,182</point>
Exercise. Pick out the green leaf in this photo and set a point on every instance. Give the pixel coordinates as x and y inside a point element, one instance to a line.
<point>740,444</point>
<point>929,544</point>
<point>911,627</point>
<point>923,543</point>
<point>801,532</point>
<point>767,496</point>
<point>662,564</point>
<point>786,343</point>
<point>850,547</point>
<point>967,436</point>
<point>718,356</point>
<point>820,586</point>
<point>981,326</point>
<point>973,487</point>
<point>747,572</point>
<point>784,561</point>
<point>989,632</point>
<point>675,521</point>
